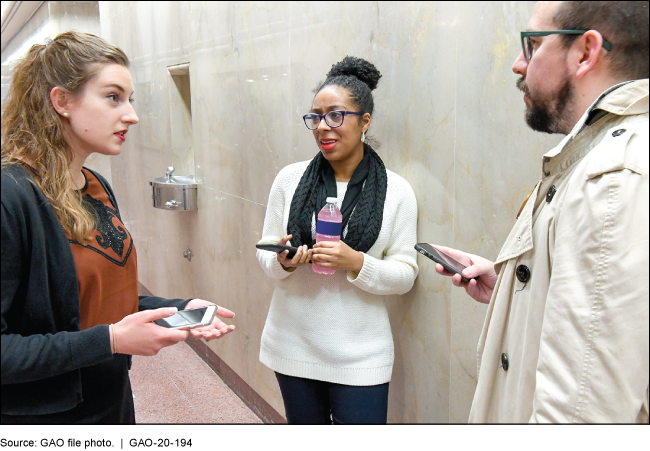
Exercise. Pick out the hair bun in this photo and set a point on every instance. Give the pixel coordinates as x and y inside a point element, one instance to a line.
<point>357,67</point>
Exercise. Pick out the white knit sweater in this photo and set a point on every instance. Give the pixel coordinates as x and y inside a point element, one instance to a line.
<point>335,328</point>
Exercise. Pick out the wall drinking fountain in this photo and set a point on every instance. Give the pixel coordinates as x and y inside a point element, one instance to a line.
<point>174,192</point>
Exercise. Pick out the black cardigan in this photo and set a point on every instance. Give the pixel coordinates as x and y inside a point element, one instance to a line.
<point>42,346</point>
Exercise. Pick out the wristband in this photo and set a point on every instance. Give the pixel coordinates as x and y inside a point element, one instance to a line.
<point>112,327</point>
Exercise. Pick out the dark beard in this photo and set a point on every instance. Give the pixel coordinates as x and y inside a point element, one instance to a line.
<point>541,116</point>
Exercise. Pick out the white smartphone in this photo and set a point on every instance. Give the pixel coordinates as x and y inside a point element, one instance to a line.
<point>189,319</point>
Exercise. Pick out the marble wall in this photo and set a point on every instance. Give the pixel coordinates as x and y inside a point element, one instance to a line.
<point>35,31</point>
<point>447,115</point>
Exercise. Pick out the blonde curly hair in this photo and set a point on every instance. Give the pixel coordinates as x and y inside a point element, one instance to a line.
<point>32,130</point>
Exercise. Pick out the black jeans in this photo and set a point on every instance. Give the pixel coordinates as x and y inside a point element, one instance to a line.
<point>308,401</point>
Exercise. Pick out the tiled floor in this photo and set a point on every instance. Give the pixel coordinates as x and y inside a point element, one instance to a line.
<point>176,386</point>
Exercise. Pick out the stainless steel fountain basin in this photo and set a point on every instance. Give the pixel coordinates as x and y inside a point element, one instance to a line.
<point>173,192</point>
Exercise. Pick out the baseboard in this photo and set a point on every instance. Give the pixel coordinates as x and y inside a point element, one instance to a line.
<point>250,397</point>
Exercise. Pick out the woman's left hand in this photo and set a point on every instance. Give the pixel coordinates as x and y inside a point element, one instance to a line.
<point>337,255</point>
<point>215,330</point>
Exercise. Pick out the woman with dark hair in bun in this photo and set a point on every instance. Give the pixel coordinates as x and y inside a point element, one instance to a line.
<point>328,337</point>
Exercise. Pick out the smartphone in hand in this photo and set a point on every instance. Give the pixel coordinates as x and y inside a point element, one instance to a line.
<point>276,247</point>
<point>189,319</point>
<point>445,260</point>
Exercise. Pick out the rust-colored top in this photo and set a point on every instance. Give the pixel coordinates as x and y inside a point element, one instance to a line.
<point>107,264</point>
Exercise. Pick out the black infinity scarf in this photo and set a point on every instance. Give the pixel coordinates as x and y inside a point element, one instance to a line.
<point>318,183</point>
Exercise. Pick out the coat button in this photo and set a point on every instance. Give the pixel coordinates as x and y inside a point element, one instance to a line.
<point>551,192</point>
<point>618,132</point>
<point>504,362</point>
<point>523,273</point>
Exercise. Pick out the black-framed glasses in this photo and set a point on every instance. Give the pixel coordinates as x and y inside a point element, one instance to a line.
<point>527,45</point>
<point>333,118</point>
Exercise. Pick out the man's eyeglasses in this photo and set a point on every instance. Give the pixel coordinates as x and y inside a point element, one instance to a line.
<point>333,118</point>
<point>527,44</point>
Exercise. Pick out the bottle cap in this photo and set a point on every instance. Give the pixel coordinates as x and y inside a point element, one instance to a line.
<point>331,200</point>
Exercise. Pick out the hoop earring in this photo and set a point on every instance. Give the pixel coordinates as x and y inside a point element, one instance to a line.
<point>363,137</point>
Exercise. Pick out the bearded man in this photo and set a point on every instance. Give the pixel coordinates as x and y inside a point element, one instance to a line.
<point>565,338</point>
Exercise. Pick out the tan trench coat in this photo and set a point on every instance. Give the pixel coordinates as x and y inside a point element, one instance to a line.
<point>569,313</point>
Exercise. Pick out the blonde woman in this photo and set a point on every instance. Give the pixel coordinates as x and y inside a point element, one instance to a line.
<point>71,315</point>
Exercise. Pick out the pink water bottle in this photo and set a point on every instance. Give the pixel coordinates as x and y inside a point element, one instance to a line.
<point>328,228</point>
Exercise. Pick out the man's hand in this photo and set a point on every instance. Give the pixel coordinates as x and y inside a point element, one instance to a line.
<point>217,328</point>
<point>480,290</point>
<point>338,256</point>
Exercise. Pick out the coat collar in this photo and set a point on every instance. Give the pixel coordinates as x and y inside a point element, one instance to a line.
<point>624,99</point>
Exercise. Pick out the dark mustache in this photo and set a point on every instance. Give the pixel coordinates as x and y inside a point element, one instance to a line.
<point>522,86</point>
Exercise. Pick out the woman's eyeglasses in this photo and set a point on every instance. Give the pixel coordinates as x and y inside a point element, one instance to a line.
<point>333,118</point>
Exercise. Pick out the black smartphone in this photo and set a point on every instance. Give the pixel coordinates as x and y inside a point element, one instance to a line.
<point>275,247</point>
<point>445,260</point>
